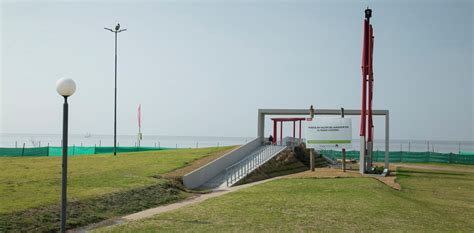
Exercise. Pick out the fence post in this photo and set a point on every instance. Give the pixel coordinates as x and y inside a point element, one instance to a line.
<point>459,148</point>
<point>428,151</point>
<point>73,149</point>
<point>401,152</point>
<point>100,143</point>
<point>343,159</point>
<point>16,144</point>
<point>23,151</point>
<point>39,144</point>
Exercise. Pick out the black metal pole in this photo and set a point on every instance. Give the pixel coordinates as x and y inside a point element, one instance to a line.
<point>115,107</point>
<point>64,168</point>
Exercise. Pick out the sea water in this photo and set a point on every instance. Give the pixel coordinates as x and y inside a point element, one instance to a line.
<point>37,140</point>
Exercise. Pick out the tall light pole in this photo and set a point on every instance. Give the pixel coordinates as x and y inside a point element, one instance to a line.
<point>116,31</point>
<point>65,87</point>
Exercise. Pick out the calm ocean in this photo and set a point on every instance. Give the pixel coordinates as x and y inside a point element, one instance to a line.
<point>36,140</point>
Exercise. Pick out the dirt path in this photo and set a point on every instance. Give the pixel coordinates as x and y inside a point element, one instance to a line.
<point>337,173</point>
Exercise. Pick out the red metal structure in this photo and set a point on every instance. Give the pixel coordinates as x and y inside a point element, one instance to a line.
<point>366,123</point>
<point>281,120</point>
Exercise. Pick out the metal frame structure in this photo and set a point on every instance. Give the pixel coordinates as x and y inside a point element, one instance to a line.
<point>281,120</point>
<point>329,112</point>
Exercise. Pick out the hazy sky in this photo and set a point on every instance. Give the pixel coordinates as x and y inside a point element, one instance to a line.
<point>205,67</point>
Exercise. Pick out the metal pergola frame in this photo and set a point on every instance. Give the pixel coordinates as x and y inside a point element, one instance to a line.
<point>328,112</point>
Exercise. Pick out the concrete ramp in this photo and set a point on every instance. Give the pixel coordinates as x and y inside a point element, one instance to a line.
<point>205,173</point>
<point>242,168</point>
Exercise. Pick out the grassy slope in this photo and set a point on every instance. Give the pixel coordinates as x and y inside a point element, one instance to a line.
<point>32,182</point>
<point>429,201</point>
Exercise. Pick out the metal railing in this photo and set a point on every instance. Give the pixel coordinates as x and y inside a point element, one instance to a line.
<point>242,168</point>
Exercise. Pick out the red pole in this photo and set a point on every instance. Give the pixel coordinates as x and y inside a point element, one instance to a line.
<point>281,132</point>
<point>300,131</point>
<point>364,83</point>
<point>274,131</point>
<point>370,75</point>
<point>294,129</point>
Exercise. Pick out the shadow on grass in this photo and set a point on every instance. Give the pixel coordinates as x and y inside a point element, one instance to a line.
<point>92,210</point>
<point>429,172</point>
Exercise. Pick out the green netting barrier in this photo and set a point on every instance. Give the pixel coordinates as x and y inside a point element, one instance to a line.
<point>72,151</point>
<point>408,157</point>
<point>37,151</point>
<point>466,153</point>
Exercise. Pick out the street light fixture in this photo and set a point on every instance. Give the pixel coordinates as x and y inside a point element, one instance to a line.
<point>116,31</point>
<point>65,87</point>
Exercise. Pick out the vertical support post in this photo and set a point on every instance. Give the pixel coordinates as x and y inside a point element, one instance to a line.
<point>343,149</point>
<point>23,151</point>
<point>16,144</point>
<point>274,132</point>
<point>387,140</point>
<point>311,159</point>
<point>281,132</point>
<point>115,98</point>
<point>64,167</point>
<point>300,132</point>
<point>343,159</point>
<point>294,130</point>
<point>362,155</point>
<point>261,126</point>
<point>459,149</point>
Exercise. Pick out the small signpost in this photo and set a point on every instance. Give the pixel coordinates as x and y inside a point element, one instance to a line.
<point>326,133</point>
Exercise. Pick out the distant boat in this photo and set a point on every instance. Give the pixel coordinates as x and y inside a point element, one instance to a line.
<point>88,135</point>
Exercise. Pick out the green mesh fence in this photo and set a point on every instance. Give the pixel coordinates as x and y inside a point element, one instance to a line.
<point>466,153</point>
<point>408,157</point>
<point>72,151</point>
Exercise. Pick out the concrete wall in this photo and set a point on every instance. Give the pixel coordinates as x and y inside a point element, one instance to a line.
<point>199,176</point>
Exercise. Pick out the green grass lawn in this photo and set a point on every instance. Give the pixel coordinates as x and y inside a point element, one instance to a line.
<point>430,201</point>
<point>36,181</point>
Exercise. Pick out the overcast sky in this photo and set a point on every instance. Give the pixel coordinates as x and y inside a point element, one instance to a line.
<point>203,68</point>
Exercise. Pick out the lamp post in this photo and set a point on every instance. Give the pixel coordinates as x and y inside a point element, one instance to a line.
<point>65,87</point>
<point>116,31</point>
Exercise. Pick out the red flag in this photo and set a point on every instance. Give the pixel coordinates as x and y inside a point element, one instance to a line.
<point>139,115</point>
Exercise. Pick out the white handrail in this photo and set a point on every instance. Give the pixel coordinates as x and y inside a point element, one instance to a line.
<point>242,168</point>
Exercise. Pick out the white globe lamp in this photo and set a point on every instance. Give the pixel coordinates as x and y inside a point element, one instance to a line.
<point>65,87</point>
